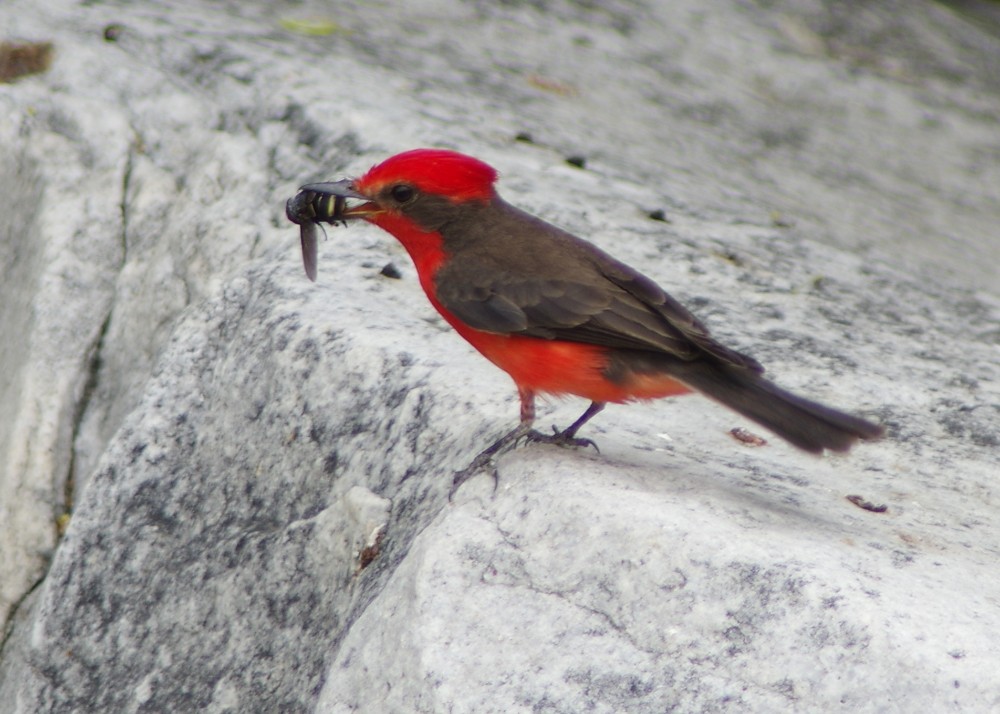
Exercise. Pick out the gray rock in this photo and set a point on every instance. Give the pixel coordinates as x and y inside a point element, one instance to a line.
<point>257,467</point>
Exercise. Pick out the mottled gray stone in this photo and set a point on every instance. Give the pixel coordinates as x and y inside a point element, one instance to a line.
<point>257,467</point>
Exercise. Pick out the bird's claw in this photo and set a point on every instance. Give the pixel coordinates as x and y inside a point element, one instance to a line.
<point>561,438</point>
<point>486,459</point>
<point>482,462</point>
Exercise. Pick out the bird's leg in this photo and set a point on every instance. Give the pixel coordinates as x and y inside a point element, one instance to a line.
<point>568,437</point>
<point>486,458</point>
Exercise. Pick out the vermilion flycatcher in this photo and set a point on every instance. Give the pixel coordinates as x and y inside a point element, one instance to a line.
<point>556,313</point>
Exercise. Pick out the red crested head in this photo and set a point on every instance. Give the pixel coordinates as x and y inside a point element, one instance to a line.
<point>435,171</point>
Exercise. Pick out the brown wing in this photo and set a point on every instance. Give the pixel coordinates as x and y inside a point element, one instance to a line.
<point>567,289</point>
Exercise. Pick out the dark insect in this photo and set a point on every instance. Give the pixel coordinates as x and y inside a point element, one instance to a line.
<point>317,203</point>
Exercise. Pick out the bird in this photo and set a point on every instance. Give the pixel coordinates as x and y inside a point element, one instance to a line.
<point>554,311</point>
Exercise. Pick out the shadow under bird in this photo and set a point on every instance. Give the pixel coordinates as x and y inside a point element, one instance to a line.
<point>555,312</point>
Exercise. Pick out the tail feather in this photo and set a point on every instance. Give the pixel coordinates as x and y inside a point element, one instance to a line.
<point>804,423</point>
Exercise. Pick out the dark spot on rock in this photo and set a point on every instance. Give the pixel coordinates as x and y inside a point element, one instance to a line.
<point>20,59</point>
<point>389,270</point>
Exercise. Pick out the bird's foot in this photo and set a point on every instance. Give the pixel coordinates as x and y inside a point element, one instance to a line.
<point>486,459</point>
<point>565,438</point>
<point>482,462</point>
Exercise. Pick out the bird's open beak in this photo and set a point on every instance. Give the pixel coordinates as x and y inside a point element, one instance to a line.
<point>344,189</point>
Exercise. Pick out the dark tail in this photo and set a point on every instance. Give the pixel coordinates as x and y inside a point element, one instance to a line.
<point>805,424</point>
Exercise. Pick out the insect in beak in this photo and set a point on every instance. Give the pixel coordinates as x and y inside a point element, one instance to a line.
<point>318,203</point>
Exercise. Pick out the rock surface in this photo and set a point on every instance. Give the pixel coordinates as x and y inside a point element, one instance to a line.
<point>256,467</point>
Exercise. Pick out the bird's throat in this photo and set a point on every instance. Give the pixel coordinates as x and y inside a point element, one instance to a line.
<point>426,248</point>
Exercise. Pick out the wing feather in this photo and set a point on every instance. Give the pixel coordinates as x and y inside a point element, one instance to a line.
<point>568,289</point>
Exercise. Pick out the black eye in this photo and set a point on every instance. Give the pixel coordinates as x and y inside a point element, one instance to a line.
<point>401,193</point>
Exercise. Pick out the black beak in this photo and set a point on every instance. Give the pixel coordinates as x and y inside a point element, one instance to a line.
<point>341,189</point>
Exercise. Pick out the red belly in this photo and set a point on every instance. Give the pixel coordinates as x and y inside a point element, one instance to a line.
<point>559,367</point>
